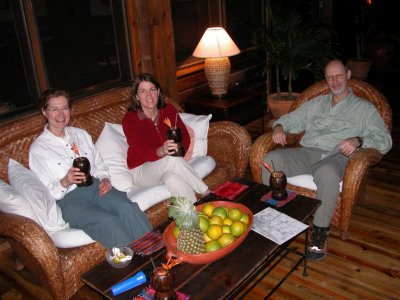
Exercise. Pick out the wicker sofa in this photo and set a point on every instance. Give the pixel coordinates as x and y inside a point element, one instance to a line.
<point>60,269</point>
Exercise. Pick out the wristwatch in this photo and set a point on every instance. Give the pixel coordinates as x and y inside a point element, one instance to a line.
<point>360,141</point>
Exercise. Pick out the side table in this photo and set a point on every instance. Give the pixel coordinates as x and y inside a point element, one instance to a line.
<point>240,106</point>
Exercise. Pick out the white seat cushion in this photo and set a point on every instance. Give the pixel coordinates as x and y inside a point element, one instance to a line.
<point>306,181</point>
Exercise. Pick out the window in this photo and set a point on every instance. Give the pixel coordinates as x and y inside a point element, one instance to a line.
<point>192,17</point>
<point>81,46</point>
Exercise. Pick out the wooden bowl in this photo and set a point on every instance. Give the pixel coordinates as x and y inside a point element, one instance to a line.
<point>205,258</point>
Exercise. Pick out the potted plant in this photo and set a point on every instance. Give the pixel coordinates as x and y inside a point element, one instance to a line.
<point>290,46</point>
<point>364,23</point>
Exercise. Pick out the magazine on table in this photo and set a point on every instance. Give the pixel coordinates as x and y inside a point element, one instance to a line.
<point>276,226</point>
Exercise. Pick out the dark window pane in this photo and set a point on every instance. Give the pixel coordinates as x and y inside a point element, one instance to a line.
<point>14,93</point>
<point>190,20</point>
<point>242,18</point>
<point>78,42</point>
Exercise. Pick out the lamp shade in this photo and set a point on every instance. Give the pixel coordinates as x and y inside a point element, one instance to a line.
<point>216,42</point>
<point>215,46</point>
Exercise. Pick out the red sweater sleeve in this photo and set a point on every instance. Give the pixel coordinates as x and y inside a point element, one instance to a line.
<point>144,137</point>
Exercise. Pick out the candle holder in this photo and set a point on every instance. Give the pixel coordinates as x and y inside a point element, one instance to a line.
<point>83,164</point>
<point>277,183</point>
<point>163,284</point>
<point>174,133</point>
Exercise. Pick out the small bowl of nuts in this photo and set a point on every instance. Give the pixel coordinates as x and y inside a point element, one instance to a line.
<point>119,257</point>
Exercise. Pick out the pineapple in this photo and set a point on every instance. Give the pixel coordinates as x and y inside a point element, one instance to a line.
<point>190,238</point>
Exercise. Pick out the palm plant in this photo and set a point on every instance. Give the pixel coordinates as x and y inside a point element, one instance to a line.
<point>290,44</point>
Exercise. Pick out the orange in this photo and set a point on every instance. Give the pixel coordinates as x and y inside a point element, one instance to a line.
<point>237,228</point>
<point>226,239</point>
<point>235,214</point>
<point>208,209</point>
<point>214,231</point>
<point>207,238</point>
<point>244,219</point>
<point>219,211</point>
<point>216,220</point>
<point>204,223</point>
<point>212,246</point>
<point>226,229</point>
<point>227,221</point>
<point>176,231</point>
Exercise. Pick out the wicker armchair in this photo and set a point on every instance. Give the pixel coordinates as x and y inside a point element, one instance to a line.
<point>355,175</point>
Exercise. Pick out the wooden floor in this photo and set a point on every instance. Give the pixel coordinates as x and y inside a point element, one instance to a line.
<point>365,266</point>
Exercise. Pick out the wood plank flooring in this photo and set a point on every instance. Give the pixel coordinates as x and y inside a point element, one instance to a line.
<point>365,266</point>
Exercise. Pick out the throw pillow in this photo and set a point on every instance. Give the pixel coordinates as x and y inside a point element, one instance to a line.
<point>33,190</point>
<point>43,205</point>
<point>13,203</point>
<point>200,125</point>
<point>113,149</point>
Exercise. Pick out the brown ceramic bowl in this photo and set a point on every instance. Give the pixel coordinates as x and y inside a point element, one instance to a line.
<point>205,258</point>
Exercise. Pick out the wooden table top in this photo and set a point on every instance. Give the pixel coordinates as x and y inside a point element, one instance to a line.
<point>221,279</point>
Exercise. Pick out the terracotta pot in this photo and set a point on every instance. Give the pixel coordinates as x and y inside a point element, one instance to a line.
<point>280,106</point>
<point>205,258</point>
<point>359,69</point>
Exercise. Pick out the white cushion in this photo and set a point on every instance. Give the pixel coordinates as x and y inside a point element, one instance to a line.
<point>113,149</point>
<point>70,237</point>
<point>13,203</point>
<point>43,205</point>
<point>200,125</point>
<point>306,181</point>
<point>203,165</point>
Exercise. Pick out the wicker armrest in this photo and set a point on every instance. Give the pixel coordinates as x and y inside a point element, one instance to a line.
<point>355,176</point>
<point>229,144</point>
<point>34,248</point>
<point>264,144</point>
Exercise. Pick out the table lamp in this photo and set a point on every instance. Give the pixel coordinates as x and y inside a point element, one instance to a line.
<point>215,46</point>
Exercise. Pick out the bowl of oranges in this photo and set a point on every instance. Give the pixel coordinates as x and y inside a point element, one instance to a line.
<point>223,227</point>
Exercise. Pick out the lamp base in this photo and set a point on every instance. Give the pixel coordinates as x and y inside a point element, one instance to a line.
<point>217,70</point>
<point>221,96</point>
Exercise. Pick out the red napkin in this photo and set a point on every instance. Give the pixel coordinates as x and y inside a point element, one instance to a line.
<point>148,294</point>
<point>230,190</point>
<point>267,198</point>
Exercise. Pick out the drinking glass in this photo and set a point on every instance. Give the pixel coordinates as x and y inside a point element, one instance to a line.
<point>277,183</point>
<point>83,164</point>
<point>174,133</point>
<point>163,284</point>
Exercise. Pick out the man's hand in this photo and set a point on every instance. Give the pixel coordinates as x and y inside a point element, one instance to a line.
<point>104,186</point>
<point>348,146</point>
<point>279,136</point>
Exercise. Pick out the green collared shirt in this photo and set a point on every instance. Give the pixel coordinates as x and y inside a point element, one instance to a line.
<point>326,126</point>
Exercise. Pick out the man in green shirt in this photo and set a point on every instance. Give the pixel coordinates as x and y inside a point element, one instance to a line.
<point>339,120</point>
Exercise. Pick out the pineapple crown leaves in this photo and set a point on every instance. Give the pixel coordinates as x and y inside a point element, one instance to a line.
<point>183,212</point>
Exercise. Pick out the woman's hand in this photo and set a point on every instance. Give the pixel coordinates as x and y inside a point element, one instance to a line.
<point>73,176</point>
<point>104,186</point>
<point>168,148</point>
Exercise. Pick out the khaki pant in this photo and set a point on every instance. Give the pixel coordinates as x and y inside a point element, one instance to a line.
<point>327,175</point>
<point>175,173</point>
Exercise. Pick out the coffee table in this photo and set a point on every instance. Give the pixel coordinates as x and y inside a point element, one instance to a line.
<point>227,277</point>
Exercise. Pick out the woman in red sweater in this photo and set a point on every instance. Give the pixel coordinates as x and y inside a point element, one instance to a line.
<point>149,152</point>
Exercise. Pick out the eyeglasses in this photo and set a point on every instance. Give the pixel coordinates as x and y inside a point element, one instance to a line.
<point>151,90</point>
<point>58,109</point>
<point>338,77</point>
